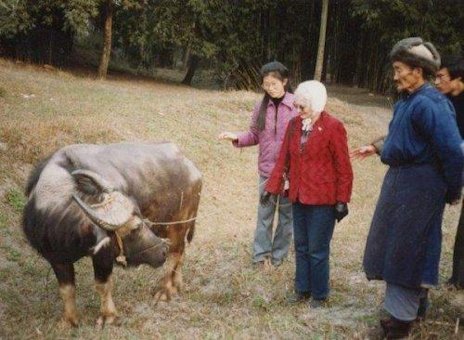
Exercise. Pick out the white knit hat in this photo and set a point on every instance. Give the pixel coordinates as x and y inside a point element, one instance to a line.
<point>312,94</point>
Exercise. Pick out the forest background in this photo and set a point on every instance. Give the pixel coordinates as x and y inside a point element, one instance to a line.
<point>229,39</point>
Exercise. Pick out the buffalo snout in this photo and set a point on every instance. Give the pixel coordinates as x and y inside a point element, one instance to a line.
<point>144,247</point>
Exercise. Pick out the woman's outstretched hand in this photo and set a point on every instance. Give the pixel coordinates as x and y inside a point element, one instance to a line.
<point>363,152</point>
<point>228,136</point>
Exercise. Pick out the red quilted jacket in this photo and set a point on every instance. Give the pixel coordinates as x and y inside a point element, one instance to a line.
<point>320,173</point>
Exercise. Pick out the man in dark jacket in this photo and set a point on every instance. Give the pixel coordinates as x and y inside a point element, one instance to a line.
<point>450,81</point>
<point>422,149</point>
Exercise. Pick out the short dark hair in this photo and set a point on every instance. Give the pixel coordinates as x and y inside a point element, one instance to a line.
<point>279,71</point>
<point>455,66</point>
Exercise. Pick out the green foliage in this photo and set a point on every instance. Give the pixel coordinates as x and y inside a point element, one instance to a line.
<point>14,18</point>
<point>2,221</point>
<point>235,37</point>
<point>21,16</point>
<point>16,199</point>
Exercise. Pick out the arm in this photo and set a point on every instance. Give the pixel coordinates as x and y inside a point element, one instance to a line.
<point>344,173</point>
<point>438,125</point>
<point>274,182</point>
<point>250,137</point>
<point>375,147</point>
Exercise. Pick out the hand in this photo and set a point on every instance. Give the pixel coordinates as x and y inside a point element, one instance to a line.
<point>363,152</point>
<point>265,198</point>
<point>228,136</point>
<point>341,210</point>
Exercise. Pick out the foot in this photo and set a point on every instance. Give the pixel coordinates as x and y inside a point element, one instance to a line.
<point>276,263</point>
<point>423,307</point>
<point>297,297</point>
<point>395,329</point>
<point>317,303</point>
<point>262,264</point>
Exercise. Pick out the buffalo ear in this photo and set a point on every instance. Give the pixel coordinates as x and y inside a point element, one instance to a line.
<point>90,183</point>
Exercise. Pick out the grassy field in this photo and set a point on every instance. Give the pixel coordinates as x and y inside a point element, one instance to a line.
<point>225,297</point>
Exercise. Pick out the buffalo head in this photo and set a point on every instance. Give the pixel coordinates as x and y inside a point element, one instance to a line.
<point>113,211</point>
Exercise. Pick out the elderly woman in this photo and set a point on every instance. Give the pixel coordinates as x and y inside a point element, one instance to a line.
<point>314,156</point>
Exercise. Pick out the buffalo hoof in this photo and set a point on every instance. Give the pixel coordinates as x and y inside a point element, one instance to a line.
<point>104,320</point>
<point>162,295</point>
<point>67,322</point>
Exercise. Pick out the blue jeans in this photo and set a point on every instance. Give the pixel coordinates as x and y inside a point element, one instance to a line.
<point>313,227</point>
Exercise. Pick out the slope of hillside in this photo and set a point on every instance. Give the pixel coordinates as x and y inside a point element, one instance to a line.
<point>224,297</point>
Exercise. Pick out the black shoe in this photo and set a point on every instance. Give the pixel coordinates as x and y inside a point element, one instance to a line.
<point>317,303</point>
<point>297,297</point>
<point>396,329</point>
<point>422,310</point>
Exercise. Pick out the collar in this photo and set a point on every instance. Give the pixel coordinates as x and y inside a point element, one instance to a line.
<point>287,100</point>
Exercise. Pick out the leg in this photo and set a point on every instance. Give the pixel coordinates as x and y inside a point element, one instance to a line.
<point>168,285</point>
<point>303,269</point>
<point>262,245</point>
<point>103,268</point>
<point>321,222</point>
<point>178,282</point>
<point>66,280</point>
<point>457,277</point>
<point>284,231</point>
<point>172,283</point>
<point>402,304</point>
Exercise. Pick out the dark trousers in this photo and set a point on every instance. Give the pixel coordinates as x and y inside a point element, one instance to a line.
<point>313,227</point>
<point>457,278</point>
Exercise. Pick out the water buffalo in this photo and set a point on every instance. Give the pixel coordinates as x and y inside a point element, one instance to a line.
<point>107,202</point>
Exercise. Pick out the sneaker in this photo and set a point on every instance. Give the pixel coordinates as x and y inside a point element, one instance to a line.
<point>317,303</point>
<point>297,297</point>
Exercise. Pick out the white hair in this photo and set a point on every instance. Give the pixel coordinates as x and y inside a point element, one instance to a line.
<point>312,94</point>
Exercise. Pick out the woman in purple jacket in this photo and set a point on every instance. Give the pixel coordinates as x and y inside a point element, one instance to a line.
<point>267,129</point>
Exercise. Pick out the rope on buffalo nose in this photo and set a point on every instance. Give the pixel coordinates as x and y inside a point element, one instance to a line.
<point>121,258</point>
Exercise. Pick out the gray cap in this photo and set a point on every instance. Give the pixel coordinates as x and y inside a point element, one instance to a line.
<point>415,52</point>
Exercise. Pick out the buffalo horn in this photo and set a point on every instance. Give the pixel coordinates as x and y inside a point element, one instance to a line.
<point>90,182</point>
<point>111,214</point>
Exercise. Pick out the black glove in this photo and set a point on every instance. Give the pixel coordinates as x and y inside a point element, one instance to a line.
<point>265,197</point>
<point>341,210</point>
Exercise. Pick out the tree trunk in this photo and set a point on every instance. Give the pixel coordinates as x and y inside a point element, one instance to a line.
<point>320,49</point>
<point>193,64</point>
<point>107,34</point>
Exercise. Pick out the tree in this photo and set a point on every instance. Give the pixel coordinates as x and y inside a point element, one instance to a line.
<point>107,35</point>
<point>321,47</point>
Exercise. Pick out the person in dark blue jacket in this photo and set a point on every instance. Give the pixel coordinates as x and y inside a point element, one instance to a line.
<point>449,80</point>
<point>422,149</point>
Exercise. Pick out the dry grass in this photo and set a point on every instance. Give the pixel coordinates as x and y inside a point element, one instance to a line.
<point>225,297</point>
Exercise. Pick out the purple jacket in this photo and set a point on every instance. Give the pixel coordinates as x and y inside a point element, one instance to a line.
<point>270,139</point>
